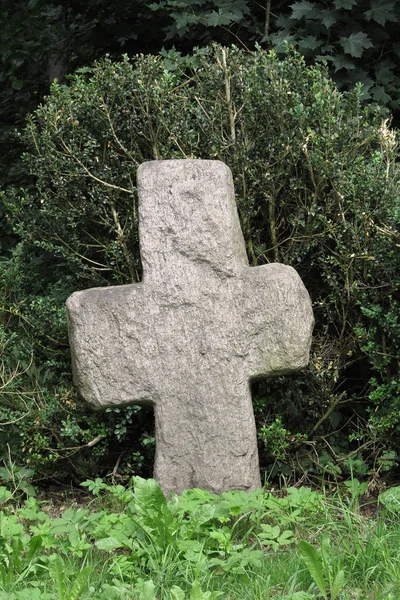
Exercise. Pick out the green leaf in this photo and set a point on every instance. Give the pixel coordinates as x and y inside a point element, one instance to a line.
<point>380,12</point>
<point>314,565</point>
<point>28,488</point>
<point>17,84</point>
<point>270,532</point>
<point>177,593</point>
<point>109,544</point>
<point>338,584</point>
<point>356,43</point>
<point>148,591</point>
<point>329,17</point>
<point>304,9</point>
<point>214,19</point>
<point>325,548</point>
<point>391,498</point>
<point>78,586</point>
<point>384,72</point>
<point>57,571</point>
<point>5,475</point>
<point>5,494</point>
<point>286,537</point>
<point>282,41</point>
<point>343,62</point>
<point>379,94</point>
<point>283,22</point>
<point>346,4</point>
<point>148,494</point>
<point>196,592</point>
<point>34,546</point>
<point>310,43</point>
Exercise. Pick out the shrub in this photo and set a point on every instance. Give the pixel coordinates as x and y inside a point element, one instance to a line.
<point>317,186</point>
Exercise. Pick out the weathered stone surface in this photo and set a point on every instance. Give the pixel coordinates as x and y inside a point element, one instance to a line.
<point>191,336</point>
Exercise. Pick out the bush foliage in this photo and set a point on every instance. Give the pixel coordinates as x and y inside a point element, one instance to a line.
<point>317,187</point>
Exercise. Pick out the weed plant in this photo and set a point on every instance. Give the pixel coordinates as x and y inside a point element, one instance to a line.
<point>130,543</point>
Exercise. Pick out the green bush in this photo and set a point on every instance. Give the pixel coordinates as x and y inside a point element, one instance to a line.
<point>317,187</point>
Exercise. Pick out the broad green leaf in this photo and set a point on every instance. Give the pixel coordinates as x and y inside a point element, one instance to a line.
<point>192,550</point>
<point>35,544</point>
<point>109,544</point>
<point>310,43</point>
<point>17,84</point>
<point>314,565</point>
<point>214,19</point>
<point>203,515</point>
<point>384,72</point>
<point>346,4</point>
<point>5,494</point>
<point>148,591</point>
<point>30,594</point>
<point>356,43</point>
<point>325,548</point>
<point>329,17</point>
<point>28,488</point>
<point>79,584</point>
<point>56,568</point>
<point>338,584</point>
<point>196,593</point>
<point>286,537</point>
<point>148,494</point>
<point>343,62</point>
<point>282,41</point>
<point>380,12</point>
<point>391,498</point>
<point>379,94</point>
<point>270,532</point>
<point>283,22</point>
<point>304,9</point>
<point>5,474</point>
<point>177,593</point>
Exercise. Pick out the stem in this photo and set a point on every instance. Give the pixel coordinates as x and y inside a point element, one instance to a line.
<point>80,163</point>
<point>331,408</point>
<point>267,17</point>
<point>272,227</point>
<point>228,95</point>
<point>121,240</point>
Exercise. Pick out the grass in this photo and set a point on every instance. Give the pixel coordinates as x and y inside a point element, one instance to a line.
<point>131,544</point>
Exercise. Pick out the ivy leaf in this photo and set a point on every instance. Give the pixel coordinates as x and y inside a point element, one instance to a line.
<point>17,84</point>
<point>356,43</point>
<point>282,22</point>
<point>304,9</point>
<point>379,94</point>
<point>384,72</point>
<point>281,41</point>
<point>214,19</point>
<point>310,42</point>
<point>346,4</point>
<point>343,62</point>
<point>329,17</point>
<point>381,12</point>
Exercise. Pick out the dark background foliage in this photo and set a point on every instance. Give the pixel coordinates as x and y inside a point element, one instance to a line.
<point>60,229</point>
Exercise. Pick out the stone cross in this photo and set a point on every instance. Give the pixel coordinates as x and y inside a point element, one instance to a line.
<point>190,338</point>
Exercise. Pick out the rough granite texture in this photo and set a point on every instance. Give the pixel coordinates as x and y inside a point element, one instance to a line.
<point>192,335</point>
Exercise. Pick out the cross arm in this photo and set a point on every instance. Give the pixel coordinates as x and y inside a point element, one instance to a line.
<point>277,316</point>
<point>107,330</point>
